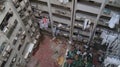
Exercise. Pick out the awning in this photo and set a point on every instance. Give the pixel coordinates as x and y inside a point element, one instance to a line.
<point>28,50</point>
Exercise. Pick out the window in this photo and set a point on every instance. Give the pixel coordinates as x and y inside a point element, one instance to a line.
<point>19,47</point>
<point>19,0</point>
<point>2,46</point>
<point>14,41</point>
<point>5,20</point>
<point>3,64</point>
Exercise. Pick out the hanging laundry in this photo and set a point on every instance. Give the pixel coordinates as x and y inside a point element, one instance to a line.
<point>54,30</point>
<point>104,37</point>
<point>63,1</point>
<point>59,25</point>
<point>111,38</point>
<point>78,52</point>
<point>57,32</point>
<point>87,23</point>
<point>41,24</point>
<point>114,20</point>
<point>66,1</point>
<point>107,11</point>
<point>44,23</point>
<point>108,38</point>
<point>26,1</point>
<point>79,37</point>
<point>111,60</point>
<point>44,20</point>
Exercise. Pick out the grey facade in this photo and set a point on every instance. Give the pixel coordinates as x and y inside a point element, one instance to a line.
<point>17,33</point>
<point>72,14</point>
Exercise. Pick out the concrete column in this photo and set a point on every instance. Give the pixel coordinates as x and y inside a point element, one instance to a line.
<point>96,21</point>
<point>73,12</point>
<point>50,15</point>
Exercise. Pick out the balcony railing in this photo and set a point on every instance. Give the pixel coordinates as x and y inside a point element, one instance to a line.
<point>12,29</point>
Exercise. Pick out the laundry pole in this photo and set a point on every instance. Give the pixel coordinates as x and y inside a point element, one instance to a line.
<point>50,16</point>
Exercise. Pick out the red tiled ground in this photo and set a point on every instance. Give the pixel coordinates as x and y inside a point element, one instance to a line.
<point>44,54</point>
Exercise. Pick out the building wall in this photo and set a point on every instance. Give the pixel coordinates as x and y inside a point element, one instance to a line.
<point>14,40</point>
<point>73,13</point>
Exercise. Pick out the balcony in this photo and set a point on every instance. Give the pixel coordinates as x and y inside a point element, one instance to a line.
<point>56,2</point>
<point>88,8</point>
<point>83,33</point>
<point>28,49</point>
<point>12,29</point>
<point>64,20</point>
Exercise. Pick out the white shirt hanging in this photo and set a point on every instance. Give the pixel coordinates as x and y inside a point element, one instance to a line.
<point>78,52</point>
<point>41,24</point>
<point>111,60</point>
<point>61,1</point>
<point>87,23</point>
<point>108,38</point>
<point>64,1</point>
<point>114,20</point>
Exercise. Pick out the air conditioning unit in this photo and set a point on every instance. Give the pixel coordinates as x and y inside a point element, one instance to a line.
<point>2,7</point>
<point>30,22</point>
<point>33,29</point>
<point>22,4</point>
<point>8,48</point>
<point>37,36</point>
<point>35,41</point>
<point>5,29</point>
<point>19,9</point>
<point>4,53</point>
<point>23,32</point>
